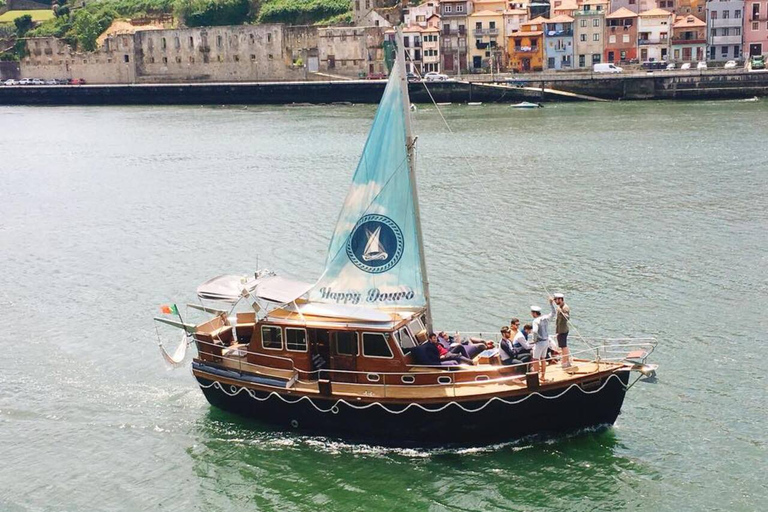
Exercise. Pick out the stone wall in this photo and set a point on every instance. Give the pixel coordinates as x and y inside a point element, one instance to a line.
<point>351,51</point>
<point>112,63</point>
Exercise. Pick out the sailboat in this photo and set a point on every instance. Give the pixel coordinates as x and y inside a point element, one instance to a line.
<point>337,356</point>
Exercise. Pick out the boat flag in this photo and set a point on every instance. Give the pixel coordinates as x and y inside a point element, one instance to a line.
<point>169,309</point>
<point>374,256</point>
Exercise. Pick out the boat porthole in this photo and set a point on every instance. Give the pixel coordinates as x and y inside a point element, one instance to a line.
<point>335,409</point>
<point>373,377</point>
<point>408,379</point>
<point>233,389</point>
<point>481,378</point>
<point>444,380</point>
<point>295,423</point>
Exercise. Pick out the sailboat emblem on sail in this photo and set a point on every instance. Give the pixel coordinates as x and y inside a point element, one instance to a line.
<point>375,244</point>
<point>373,249</point>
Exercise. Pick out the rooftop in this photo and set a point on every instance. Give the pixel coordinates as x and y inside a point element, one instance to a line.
<point>621,13</point>
<point>655,12</point>
<point>689,21</point>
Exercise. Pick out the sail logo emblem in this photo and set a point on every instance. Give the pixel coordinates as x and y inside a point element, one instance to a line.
<point>375,244</point>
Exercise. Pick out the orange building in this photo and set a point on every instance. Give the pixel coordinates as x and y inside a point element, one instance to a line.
<point>526,47</point>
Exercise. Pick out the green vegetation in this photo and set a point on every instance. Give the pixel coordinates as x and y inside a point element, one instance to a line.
<point>302,12</point>
<point>205,13</point>
<point>82,27</point>
<point>37,15</point>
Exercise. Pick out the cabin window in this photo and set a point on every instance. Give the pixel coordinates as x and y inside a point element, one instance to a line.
<point>296,339</point>
<point>416,327</point>
<point>346,343</point>
<point>405,340</point>
<point>375,345</point>
<point>271,337</point>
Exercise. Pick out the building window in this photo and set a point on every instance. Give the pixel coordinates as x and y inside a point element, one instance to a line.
<point>583,23</point>
<point>596,22</point>
<point>269,37</point>
<point>271,337</point>
<point>375,345</point>
<point>270,57</point>
<point>126,58</point>
<point>218,58</point>
<point>236,58</point>
<point>611,40</point>
<point>296,339</point>
<point>479,25</point>
<point>253,58</point>
<point>583,38</point>
<point>582,61</point>
<point>346,343</point>
<point>726,15</point>
<point>447,9</point>
<point>177,43</point>
<point>491,24</point>
<point>165,60</point>
<point>713,32</point>
<point>191,42</point>
<point>595,37</point>
<point>151,60</point>
<point>218,41</point>
<point>459,8</point>
<point>178,60</point>
<point>724,51</point>
<point>164,44</point>
<point>737,14</point>
<point>625,39</point>
<point>755,26</point>
<point>191,60</point>
<point>596,58</point>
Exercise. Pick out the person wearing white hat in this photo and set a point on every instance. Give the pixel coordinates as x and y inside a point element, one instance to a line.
<point>540,338</point>
<point>561,329</point>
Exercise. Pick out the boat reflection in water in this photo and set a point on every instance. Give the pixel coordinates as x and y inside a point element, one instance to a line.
<point>341,356</point>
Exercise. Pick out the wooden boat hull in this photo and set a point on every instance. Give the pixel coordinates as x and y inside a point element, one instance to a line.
<point>465,423</point>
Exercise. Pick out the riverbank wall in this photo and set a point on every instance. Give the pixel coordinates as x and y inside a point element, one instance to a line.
<point>655,86</point>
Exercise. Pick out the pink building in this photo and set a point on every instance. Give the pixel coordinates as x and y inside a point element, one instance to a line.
<point>755,27</point>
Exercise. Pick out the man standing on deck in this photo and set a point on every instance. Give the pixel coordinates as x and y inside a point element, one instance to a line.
<point>540,338</point>
<point>561,329</point>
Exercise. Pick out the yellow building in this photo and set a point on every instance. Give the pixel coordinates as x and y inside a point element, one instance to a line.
<point>486,48</point>
<point>526,47</point>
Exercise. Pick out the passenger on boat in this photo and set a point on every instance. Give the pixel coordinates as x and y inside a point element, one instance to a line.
<point>540,337</point>
<point>451,353</point>
<point>511,354</point>
<point>520,337</point>
<point>467,349</point>
<point>561,329</point>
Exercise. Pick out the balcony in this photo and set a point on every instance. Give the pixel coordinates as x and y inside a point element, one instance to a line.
<point>486,32</point>
<point>725,23</point>
<point>619,28</point>
<point>482,46</point>
<point>653,40</point>
<point>526,49</point>
<point>454,32</point>
<point>684,40</point>
<point>719,40</point>
<point>758,17</point>
<point>559,33</point>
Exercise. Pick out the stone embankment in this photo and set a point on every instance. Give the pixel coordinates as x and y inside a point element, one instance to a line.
<point>544,87</point>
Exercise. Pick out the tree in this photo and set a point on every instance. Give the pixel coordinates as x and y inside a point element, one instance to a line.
<point>87,29</point>
<point>23,24</point>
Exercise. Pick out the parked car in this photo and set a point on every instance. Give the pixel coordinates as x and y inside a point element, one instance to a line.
<point>11,81</point>
<point>376,76</point>
<point>701,66</point>
<point>62,81</point>
<point>76,81</point>
<point>38,81</point>
<point>670,67</point>
<point>434,76</point>
<point>606,68</point>
<point>731,64</point>
<point>25,81</point>
<point>757,62</point>
<point>51,81</point>
<point>685,65</point>
<point>412,77</point>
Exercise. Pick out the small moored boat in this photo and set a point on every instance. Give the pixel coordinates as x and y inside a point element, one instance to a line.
<point>526,104</point>
<point>339,355</point>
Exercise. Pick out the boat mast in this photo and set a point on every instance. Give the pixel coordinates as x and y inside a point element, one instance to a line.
<point>410,142</point>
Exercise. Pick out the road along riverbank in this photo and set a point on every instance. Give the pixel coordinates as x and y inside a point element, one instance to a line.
<point>651,86</point>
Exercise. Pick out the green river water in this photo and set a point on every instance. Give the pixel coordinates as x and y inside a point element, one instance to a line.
<point>651,217</point>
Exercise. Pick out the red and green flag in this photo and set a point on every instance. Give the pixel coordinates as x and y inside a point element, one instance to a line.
<point>169,309</point>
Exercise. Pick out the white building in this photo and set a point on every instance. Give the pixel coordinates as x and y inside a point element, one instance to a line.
<point>654,29</point>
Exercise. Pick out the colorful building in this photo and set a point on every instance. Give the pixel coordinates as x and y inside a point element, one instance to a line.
<point>453,35</point>
<point>725,19</point>
<point>485,52</point>
<point>514,19</point>
<point>621,36</point>
<point>756,27</point>
<point>564,7</point>
<point>526,47</point>
<point>653,32</point>
<point>697,8</point>
<point>589,32</point>
<point>558,41</point>
<point>636,6</point>
<point>689,39</point>
<point>430,40</point>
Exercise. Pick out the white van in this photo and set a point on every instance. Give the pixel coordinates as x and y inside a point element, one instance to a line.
<point>607,68</point>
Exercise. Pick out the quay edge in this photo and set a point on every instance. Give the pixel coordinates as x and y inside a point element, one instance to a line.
<point>656,86</point>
